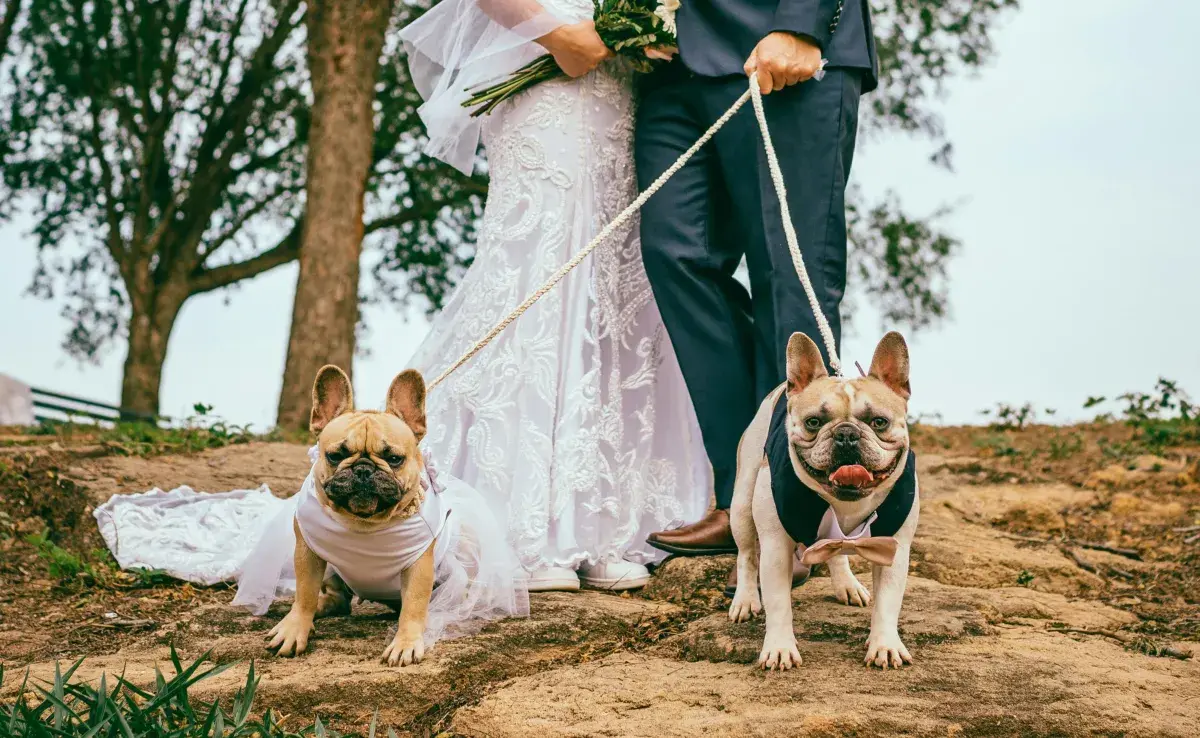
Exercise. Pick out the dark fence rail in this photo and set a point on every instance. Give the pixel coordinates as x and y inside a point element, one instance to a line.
<point>56,407</point>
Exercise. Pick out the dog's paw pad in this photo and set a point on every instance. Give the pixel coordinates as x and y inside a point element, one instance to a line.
<point>887,652</point>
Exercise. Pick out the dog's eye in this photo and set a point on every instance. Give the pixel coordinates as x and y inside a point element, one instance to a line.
<point>393,459</point>
<point>813,423</point>
<point>880,423</point>
<point>335,457</point>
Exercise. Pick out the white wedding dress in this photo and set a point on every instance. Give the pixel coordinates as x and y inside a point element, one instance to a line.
<point>575,424</point>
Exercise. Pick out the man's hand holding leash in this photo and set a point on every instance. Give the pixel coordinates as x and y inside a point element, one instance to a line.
<point>784,59</point>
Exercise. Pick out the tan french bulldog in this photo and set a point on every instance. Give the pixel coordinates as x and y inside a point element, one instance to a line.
<point>840,450</point>
<point>367,477</point>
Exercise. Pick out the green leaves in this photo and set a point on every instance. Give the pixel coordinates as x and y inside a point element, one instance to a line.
<point>72,709</point>
<point>899,261</point>
<point>155,140</point>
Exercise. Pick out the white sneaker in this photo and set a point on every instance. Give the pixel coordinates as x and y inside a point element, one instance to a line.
<point>614,575</point>
<point>553,579</point>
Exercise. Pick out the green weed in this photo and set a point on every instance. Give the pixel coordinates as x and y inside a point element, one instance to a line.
<point>62,564</point>
<point>69,708</point>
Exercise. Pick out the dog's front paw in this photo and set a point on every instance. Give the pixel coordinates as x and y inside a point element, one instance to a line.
<point>887,650</point>
<point>745,605</point>
<point>851,592</point>
<point>290,636</point>
<point>779,652</point>
<point>404,650</point>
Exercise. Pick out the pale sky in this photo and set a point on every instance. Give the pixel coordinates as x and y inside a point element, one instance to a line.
<point>1078,173</point>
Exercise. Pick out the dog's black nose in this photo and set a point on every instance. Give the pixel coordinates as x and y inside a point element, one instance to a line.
<point>364,471</point>
<point>846,435</point>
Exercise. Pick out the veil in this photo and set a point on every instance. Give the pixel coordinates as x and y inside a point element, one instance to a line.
<point>461,44</point>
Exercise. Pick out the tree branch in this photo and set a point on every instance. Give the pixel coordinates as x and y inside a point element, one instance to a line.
<point>212,175</point>
<point>7,22</point>
<point>227,62</point>
<point>287,250</point>
<point>114,242</point>
<point>154,153</point>
<point>240,221</point>
<point>425,210</point>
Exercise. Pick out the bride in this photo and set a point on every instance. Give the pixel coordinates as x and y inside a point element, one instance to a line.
<point>575,424</point>
<point>573,429</point>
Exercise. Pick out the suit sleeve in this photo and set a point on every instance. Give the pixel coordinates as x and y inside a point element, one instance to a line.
<point>808,18</point>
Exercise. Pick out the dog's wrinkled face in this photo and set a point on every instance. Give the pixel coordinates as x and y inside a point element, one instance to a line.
<point>849,435</point>
<point>369,468</point>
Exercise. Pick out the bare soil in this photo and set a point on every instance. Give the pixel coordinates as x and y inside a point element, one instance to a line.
<point>1050,566</point>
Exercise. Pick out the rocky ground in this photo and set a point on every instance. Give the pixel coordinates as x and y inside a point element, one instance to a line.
<point>1054,591</point>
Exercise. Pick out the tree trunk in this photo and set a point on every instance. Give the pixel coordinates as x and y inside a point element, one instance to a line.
<point>150,328</point>
<point>345,39</point>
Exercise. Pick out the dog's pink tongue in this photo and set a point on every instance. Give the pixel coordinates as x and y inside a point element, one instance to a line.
<point>853,475</point>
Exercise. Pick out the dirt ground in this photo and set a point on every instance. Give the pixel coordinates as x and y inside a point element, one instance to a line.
<point>1055,582</point>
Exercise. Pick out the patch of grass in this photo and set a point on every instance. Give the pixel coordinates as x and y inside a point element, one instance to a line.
<point>998,443</point>
<point>69,707</point>
<point>1065,446</point>
<point>72,570</point>
<point>1025,578</point>
<point>1163,418</point>
<point>1006,417</point>
<point>200,431</point>
<point>146,439</point>
<point>61,563</point>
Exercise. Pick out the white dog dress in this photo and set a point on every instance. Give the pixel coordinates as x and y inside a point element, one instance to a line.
<point>477,577</point>
<point>371,562</point>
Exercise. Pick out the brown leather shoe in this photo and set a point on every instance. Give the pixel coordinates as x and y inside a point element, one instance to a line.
<point>708,537</point>
<point>800,574</point>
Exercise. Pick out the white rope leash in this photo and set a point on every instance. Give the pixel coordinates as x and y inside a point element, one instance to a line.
<point>633,207</point>
<point>789,230</point>
<point>604,233</point>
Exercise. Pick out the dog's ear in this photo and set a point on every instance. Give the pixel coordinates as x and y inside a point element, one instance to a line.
<point>406,400</point>
<point>804,363</point>
<point>332,396</point>
<point>890,364</point>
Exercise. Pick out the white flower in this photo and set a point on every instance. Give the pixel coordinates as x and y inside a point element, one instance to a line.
<point>666,12</point>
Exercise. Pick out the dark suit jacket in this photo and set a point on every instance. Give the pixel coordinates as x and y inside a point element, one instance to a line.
<point>717,36</point>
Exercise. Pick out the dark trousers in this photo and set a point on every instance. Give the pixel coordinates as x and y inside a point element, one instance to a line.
<point>722,205</point>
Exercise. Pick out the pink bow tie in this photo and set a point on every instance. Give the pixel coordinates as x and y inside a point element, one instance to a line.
<point>876,549</point>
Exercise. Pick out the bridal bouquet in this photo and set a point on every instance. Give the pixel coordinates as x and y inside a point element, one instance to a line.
<point>642,31</point>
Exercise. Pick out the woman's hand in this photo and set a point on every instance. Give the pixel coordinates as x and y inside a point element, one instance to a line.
<point>661,53</point>
<point>576,48</point>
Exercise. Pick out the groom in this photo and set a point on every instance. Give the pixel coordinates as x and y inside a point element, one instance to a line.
<point>722,205</point>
